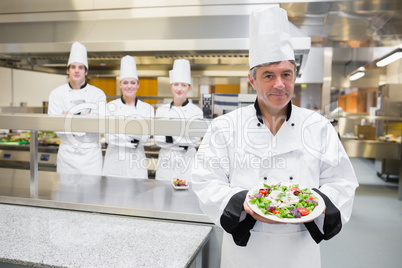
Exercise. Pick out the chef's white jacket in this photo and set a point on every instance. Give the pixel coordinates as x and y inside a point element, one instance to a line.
<point>239,152</point>
<point>79,153</point>
<point>125,154</point>
<point>176,155</point>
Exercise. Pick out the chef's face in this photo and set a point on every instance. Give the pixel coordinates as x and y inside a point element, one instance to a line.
<point>274,85</point>
<point>129,86</point>
<point>180,91</point>
<point>77,72</point>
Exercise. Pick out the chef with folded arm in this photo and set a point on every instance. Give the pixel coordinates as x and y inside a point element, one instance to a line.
<point>125,154</point>
<point>176,155</point>
<point>79,153</point>
<point>272,141</point>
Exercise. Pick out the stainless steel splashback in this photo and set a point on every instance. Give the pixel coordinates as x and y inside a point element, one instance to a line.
<point>212,35</point>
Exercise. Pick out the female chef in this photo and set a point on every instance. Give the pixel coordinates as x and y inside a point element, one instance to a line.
<point>176,155</point>
<point>79,153</point>
<point>125,155</point>
<point>270,142</point>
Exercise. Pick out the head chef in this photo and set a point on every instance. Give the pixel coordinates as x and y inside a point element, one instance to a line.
<point>272,64</point>
<point>77,66</point>
<point>277,150</point>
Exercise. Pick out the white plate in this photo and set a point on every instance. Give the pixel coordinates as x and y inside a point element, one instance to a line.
<point>316,212</point>
<point>180,187</point>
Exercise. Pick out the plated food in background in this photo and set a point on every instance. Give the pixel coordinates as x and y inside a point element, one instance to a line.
<point>179,184</point>
<point>15,139</point>
<point>44,138</point>
<point>285,202</point>
<point>390,138</point>
<point>48,138</point>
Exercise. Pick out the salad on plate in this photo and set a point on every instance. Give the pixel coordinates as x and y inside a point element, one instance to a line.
<point>179,184</point>
<point>285,202</point>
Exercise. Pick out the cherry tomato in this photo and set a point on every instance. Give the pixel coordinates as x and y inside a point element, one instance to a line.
<point>179,182</point>
<point>272,209</point>
<point>311,197</point>
<point>263,191</point>
<point>303,211</point>
<point>295,190</point>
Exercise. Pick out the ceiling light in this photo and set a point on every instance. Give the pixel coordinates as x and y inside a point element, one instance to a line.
<point>356,76</point>
<point>390,58</point>
<point>359,73</point>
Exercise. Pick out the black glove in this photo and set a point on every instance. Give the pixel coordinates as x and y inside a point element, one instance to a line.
<point>135,143</point>
<point>230,219</point>
<point>332,221</point>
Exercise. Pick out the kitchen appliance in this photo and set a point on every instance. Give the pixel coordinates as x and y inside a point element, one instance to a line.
<point>206,103</point>
<point>389,104</point>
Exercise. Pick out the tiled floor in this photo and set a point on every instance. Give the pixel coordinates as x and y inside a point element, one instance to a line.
<point>373,236</point>
<point>366,173</point>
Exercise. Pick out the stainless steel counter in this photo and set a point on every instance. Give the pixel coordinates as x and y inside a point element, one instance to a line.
<point>19,156</point>
<point>137,197</point>
<point>140,198</point>
<point>372,149</point>
<point>376,150</point>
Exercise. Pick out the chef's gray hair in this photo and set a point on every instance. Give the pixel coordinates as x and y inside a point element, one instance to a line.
<point>253,71</point>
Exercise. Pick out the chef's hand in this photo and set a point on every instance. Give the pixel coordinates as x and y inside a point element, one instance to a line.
<point>256,216</point>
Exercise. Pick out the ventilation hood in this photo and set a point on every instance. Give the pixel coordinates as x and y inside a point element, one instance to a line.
<point>213,37</point>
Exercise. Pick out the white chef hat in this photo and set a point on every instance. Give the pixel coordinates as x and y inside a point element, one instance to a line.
<point>270,39</point>
<point>181,72</point>
<point>128,68</point>
<point>78,54</point>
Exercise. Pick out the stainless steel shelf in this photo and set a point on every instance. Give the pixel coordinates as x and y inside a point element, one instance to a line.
<point>372,149</point>
<point>154,126</point>
<point>370,117</point>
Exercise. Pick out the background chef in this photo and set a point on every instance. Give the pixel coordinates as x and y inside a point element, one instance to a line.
<point>79,153</point>
<point>176,155</point>
<point>125,154</point>
<point>288,143</point>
